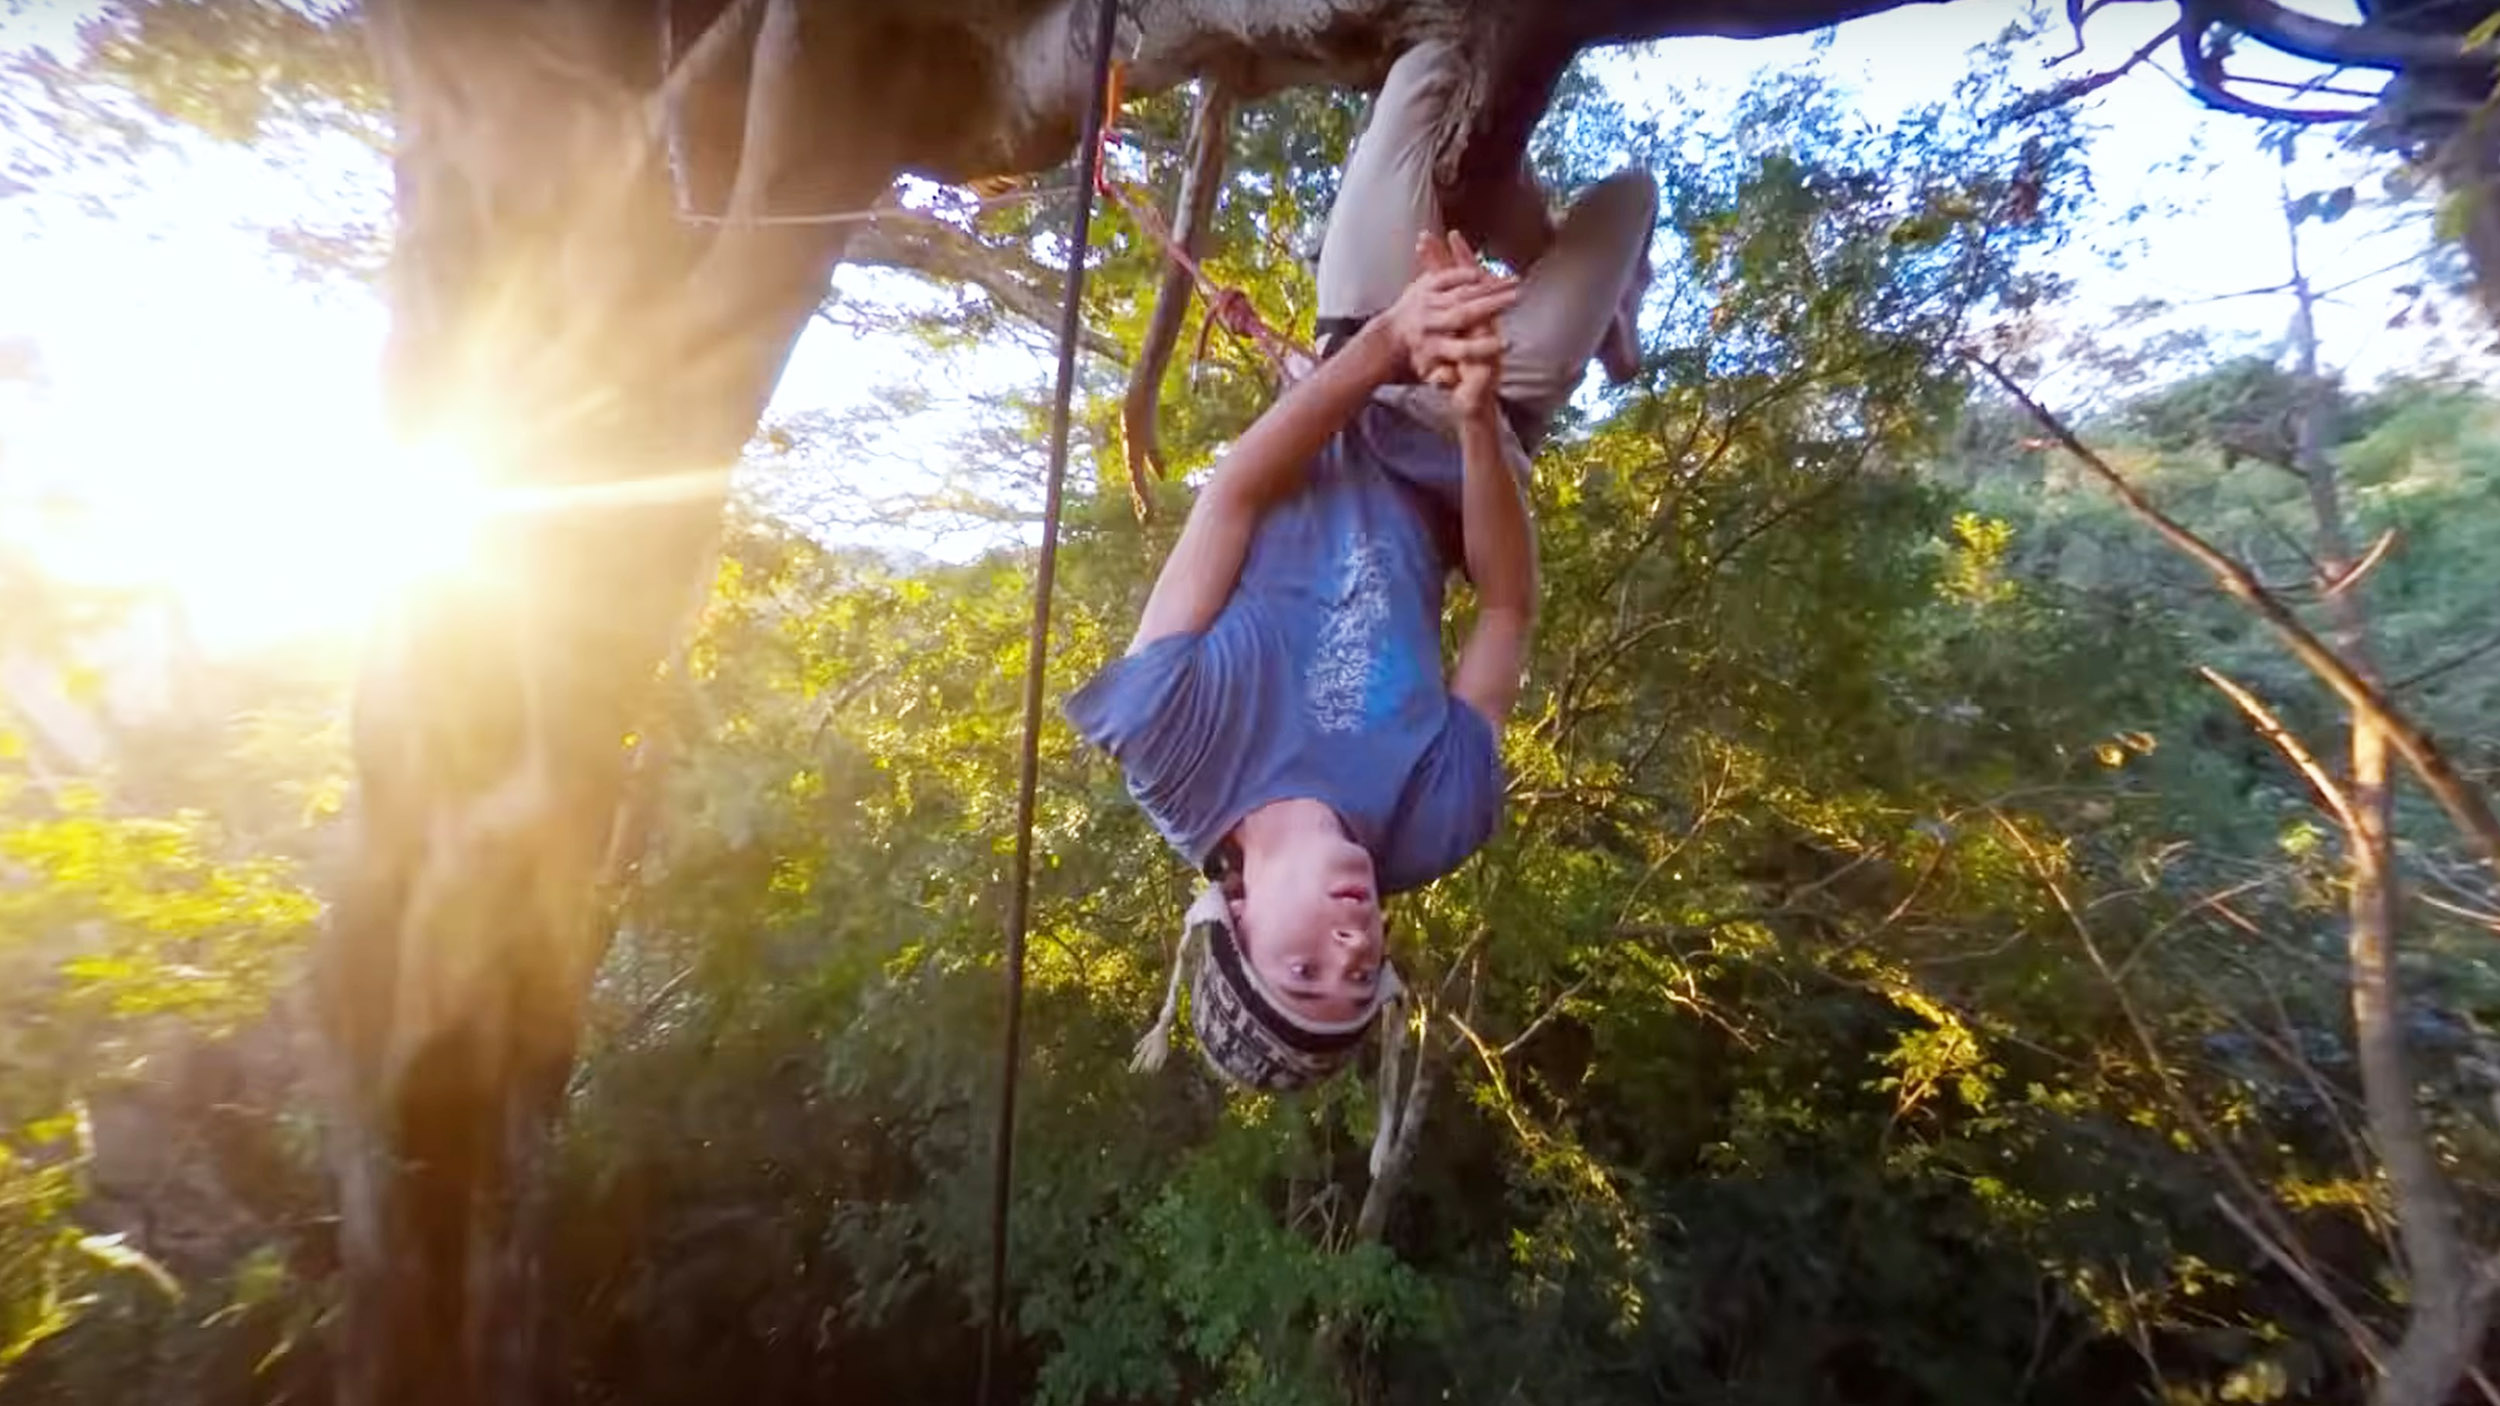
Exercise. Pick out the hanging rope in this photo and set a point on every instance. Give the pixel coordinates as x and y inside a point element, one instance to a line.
<point>1227,307</point>
<point>1020,891</point>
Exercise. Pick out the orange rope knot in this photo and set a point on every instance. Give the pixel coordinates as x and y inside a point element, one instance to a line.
<point>1226,306</point>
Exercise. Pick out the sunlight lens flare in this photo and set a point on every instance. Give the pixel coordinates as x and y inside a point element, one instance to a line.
<point>429,505</point>
<point>267,537</point>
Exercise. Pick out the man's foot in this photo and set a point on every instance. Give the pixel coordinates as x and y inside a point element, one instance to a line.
<point>1620,353</point>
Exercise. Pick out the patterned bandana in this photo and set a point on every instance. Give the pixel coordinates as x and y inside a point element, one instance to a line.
<point>1247,1034</point>
<point>1249,1037</point>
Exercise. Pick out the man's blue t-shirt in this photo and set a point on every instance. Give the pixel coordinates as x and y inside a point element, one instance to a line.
<point>1321,678</point>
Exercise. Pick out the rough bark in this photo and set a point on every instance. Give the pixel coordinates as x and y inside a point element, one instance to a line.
<point>603,361</point>
<point>595,284</point>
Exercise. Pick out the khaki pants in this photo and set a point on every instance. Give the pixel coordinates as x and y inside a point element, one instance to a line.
<point>1566,299</point>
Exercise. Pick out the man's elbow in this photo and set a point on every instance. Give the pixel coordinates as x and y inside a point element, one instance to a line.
<point>1510,605</point>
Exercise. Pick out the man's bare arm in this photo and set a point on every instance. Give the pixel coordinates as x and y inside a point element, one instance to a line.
<point>1446,315</point>
<point>1500,545</point>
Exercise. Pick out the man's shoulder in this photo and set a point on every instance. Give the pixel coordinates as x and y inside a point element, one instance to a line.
<point>1450,801</point>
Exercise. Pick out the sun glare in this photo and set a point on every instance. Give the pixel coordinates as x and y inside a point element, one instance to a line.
<point>261,537</point>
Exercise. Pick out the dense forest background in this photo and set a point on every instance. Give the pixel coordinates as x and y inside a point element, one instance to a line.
<point>1900,977</point>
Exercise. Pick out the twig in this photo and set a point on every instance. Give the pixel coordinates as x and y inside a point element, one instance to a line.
<point>1551,1010</point>
<point>2464,802</point>
<point>2412,258</point>
<point>651,1004</point>
<point>2297,752</point>
<point>2425,675</point>
<point>2089,84</point>
<point>2478,917</point>
<point>2219,901</point>
<point>2363,1340</point>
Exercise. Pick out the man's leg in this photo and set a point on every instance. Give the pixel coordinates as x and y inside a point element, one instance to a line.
<point>1368,255</point>
<point>1570,298</point>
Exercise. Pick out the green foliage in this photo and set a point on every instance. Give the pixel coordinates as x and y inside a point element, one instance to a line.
<point>1885,943</point>
<point>126,940</point>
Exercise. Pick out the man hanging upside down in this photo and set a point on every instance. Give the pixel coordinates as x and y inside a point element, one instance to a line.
<point>1282,713</point>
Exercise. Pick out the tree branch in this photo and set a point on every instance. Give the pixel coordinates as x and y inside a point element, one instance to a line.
<point>2211,83</point>
<point>2454,661</point>
<point>2288,743</point>
<point>1544,1018</point>
<point>2363,1340</point>
<point>2464,802</point>
<point>1210,132</point>
<point>2076,88</point>
<point>923,244</point>
<point>2381,46</point>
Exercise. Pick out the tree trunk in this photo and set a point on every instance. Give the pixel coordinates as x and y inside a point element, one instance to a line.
<point>596,281</point>
<point>2445,1305</point>
<point>595,285</point>
<point>601,358</point>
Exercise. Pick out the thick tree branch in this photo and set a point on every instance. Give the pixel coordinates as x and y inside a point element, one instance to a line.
<point>2325,41</point>
<point>2211,83</point>
<point>1210,132</point>
<point>718,41</point>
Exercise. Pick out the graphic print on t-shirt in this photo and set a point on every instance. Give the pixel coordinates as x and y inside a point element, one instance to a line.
<point>1346,654</point>
<point>1321,678</point>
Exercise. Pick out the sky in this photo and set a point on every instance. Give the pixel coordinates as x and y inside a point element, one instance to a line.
<point>206,419</point>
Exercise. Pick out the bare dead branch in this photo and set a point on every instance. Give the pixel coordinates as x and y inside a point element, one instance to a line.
<point>2464,802</point>
<point>2368,563</point>
<point>2330,794</point>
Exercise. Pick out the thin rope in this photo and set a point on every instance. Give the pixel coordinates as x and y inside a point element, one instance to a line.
<point>1227,306</point>
<point>1020,891</point>
<point>873,212</point>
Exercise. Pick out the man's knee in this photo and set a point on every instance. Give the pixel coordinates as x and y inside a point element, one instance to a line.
<point>1629,195</point>
<point>1421,84</point>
